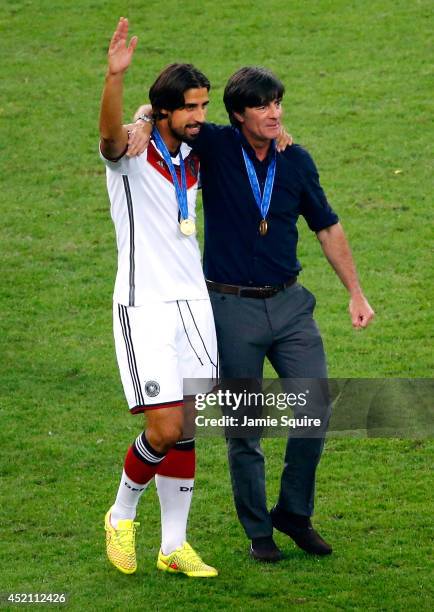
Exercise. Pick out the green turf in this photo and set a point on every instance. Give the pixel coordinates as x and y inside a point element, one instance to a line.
<point>359,96</point>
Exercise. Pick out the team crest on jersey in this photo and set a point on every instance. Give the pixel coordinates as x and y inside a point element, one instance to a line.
<point>152,388</point>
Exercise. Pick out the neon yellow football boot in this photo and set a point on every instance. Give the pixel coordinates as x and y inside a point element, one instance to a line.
<point>121,544</point>
<point>185,560</point>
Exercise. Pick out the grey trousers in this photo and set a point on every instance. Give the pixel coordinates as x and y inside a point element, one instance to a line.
<point>283,329</point>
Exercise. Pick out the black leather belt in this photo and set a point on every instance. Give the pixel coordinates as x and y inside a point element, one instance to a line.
<point>252,292</point>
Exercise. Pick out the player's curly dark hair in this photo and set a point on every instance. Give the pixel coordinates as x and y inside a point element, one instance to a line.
<point>251,86</point>
<point>168,90</point>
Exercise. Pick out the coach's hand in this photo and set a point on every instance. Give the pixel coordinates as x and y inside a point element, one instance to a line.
<point>361,312</point>
<point>119,55</point>
<point>139,135</point>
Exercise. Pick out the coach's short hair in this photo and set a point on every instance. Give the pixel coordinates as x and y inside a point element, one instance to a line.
<point>249,87</point>
<point>168,90</point>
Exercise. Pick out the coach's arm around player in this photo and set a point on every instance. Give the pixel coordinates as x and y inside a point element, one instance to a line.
<point>139,132</point>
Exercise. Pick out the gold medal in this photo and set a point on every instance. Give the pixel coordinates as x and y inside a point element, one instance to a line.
<point>187,227</point>
<point>263,227</point>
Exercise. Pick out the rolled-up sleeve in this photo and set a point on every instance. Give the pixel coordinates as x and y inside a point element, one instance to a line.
<point>314,205</point>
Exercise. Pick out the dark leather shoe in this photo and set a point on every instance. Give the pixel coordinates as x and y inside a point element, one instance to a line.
<point>265,550</point>
<point>304,535</point>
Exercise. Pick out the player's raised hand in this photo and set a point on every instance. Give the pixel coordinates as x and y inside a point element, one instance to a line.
<point>119,54</point>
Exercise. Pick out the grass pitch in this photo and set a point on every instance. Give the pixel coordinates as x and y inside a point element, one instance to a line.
<point>359,96</point>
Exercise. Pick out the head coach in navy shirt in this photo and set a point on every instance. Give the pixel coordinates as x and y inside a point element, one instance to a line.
<point>250,261</point>
<point>253,197</point>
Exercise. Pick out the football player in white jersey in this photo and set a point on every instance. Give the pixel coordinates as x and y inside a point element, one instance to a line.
<point>163,325</point>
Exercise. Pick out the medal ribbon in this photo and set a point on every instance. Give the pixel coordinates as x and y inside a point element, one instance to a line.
<point>263,202</point>
<point>180,189</point>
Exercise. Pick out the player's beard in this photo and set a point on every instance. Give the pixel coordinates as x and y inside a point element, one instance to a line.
<point>182,135</point>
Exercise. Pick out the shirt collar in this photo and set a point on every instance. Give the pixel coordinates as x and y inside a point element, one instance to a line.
<point>184,148</point>
<point>250,150</point>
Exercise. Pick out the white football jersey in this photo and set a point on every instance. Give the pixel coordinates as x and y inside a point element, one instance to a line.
<point>155,260</point>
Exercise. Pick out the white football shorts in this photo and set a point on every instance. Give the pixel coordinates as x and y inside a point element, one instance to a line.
<point>161,344</point>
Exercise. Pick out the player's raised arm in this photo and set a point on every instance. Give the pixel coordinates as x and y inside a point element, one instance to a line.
<point>114,136</point>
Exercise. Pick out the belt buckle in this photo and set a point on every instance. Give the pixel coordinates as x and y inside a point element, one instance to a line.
<point>270,289</point>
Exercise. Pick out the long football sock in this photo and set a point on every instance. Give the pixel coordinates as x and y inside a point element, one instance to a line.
<point>175,482</point>
<point>141,463</point>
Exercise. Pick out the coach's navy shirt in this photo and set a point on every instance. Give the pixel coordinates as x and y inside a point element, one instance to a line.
<point>234,252</point>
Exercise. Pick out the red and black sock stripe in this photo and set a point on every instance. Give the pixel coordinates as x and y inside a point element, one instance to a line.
<point>142,461</point>
<point>180,461</point>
